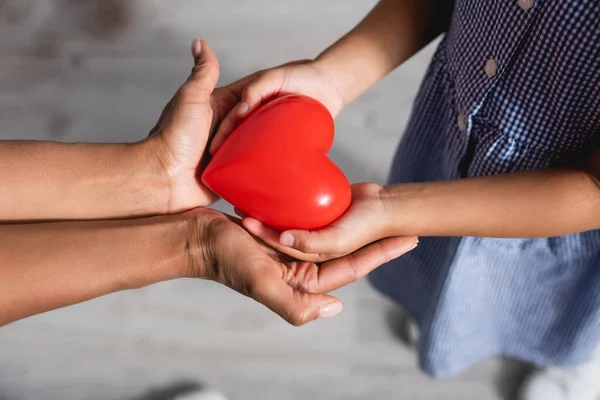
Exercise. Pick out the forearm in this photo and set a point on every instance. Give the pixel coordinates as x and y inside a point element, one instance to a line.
<point>541,203</point>
<point>389,35</point>
<point>52,265</point>
<point>48,180</point>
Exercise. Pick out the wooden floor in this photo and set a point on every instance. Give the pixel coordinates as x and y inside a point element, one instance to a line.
<point>101,70</point>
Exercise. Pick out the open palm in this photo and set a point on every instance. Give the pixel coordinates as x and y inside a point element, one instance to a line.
<point>296,290</point>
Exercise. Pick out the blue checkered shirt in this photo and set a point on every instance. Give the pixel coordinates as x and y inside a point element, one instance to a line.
<point>514,85</point>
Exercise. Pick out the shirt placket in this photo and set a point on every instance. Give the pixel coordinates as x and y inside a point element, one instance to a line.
<point>493,68</point>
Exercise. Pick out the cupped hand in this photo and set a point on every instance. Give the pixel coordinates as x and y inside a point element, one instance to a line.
<point>366,223</point>
<point>222,250</point>
<point>188,121</point>
<point>303,77</point>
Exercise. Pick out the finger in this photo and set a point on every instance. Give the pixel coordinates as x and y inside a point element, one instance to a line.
<point>237,87</point>
<point>271,237</point>
<point>343,271</point>
<point>205,73</point>
<point>239,213</point>
<point>192,101</point>
<point>296,62</point>
<point>261,230</point>
<point>236,114</point>
<point>262,88</point>
<point>227,97</point>
<point>226,128</point>
<point>255,89</point>
<point>295,307</point>
<point>330,240</point>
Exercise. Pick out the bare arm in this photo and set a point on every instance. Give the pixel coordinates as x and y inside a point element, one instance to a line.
<point>393,32</point>
<point>540,203</point>
<point>65,181</point>
<point>52,265</point>
<point>389,35</point>
<point>48,180</point>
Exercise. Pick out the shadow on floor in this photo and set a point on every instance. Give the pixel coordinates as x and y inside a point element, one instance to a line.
<point>511,377</point>
<point>170,392</point>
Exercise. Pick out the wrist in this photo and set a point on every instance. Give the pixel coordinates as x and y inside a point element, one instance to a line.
<point>204,228</point>
<point>151,178</point>
<point>119,255</point>
<point>341,82</point>
<point>338,89</point>
<point>163,243</point>
<point>400,203</point>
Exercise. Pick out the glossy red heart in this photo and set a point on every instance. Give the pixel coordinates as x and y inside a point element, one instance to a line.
<point>274,166</point>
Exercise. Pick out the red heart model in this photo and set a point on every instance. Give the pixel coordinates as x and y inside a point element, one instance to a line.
<point>274,166</point>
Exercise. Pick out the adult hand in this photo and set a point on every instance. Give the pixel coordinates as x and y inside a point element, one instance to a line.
<point>185,126</point>
<point>296,290</point>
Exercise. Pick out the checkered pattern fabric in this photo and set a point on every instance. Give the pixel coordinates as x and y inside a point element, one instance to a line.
<point>514,85</point>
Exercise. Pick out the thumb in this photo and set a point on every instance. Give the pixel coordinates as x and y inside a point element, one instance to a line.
<point>297,308</point>
<point>191,104</point>
<point>264,86</point>
<point>205,74</point>
<point>330,240</point>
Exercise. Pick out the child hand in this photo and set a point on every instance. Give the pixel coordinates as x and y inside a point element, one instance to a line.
<point>300,77</point>
<point>367,222</point>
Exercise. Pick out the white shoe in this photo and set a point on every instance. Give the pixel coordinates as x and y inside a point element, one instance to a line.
<point>411,332</point>
<point>576,383</point>
<point>404,326</point>
<point>202,394</point>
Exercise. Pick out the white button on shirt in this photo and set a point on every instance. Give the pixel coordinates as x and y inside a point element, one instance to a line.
<point>526,4</point>
<point>491,68</point>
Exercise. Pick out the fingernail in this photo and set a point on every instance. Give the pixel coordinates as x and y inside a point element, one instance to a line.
<point>400,251</point>
<point>287,239</point>
<point>330,310</point>
<point>244,107</point>
<point>196,47</point>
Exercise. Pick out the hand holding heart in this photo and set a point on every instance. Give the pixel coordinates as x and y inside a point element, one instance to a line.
<point>272,168</point>
<point>179,138</point>
<point>303,77</point>
<point>366,225</point>
<point>294,289</point>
